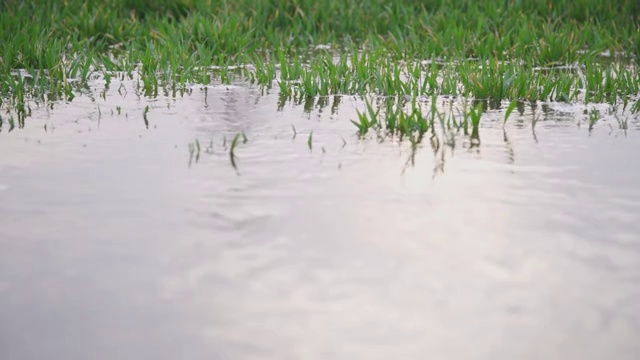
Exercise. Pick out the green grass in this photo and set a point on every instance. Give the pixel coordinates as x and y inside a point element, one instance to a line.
<point>514,50</point>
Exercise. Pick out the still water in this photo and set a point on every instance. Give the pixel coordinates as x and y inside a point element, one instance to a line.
<point>121,240</point>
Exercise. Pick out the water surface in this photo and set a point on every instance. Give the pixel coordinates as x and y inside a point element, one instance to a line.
<point>118,242</point>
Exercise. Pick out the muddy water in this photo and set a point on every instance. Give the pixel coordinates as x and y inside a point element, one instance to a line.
<point>118,242</point>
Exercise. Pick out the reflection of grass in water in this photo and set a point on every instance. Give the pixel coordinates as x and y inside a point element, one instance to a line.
<point>194,151</point>
<point>232,154</point>
<point>444,124</point>
<point>11,122</point>
<point>395,119</point>
<point>441,129</point>
<point>144,116</point>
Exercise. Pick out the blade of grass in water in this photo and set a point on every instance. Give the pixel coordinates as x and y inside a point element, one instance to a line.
<point>509,110</point>
<point>232,154</point>
<point>144,116</point>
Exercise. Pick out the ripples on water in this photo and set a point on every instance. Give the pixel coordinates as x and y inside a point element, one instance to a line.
<point>116,245</point>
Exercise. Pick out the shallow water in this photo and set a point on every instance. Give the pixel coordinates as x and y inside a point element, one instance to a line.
<point>118,244</point>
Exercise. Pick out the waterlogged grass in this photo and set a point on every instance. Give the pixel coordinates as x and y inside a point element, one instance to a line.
<point>399,118</point>
<point>378,73</point>
<point>439,123</point>
<point>582,51</point>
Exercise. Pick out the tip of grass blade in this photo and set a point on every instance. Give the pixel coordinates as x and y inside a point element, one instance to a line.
<point>510,109</point>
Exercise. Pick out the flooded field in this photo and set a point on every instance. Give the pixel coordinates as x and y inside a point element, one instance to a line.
<point>129,231</point>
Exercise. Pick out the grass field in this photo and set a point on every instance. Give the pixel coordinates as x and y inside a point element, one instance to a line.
<point>583,51</point>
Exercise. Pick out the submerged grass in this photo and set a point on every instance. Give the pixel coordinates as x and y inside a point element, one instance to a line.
<point>397,118</point>
<point>580,51</point>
